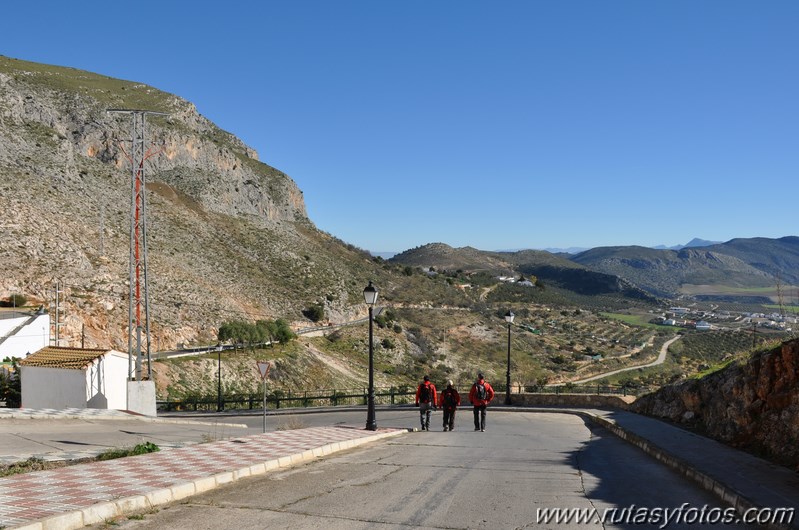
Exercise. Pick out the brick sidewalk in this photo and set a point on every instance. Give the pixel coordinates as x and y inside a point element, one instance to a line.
<point>75,496</point>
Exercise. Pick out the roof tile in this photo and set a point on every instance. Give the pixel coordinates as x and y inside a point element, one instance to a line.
<point>63,357</point>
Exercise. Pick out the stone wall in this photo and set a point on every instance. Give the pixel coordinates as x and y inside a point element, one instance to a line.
<point>567,400</point>
<point>752,404</point>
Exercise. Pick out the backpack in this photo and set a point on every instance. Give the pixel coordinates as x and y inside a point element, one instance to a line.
<point>424,394</point>
<point>449,399</point>
<point>480,391</point>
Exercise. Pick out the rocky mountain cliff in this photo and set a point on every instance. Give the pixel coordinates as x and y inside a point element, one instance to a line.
<point>752,404</point>
<point>228,236</point>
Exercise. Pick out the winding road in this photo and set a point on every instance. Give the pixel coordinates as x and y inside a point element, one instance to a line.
<point>660,360</point>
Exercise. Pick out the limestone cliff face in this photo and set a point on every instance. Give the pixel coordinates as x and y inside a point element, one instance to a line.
<point>752,405</point>
<point>65,112</point>
<point>228,236</point>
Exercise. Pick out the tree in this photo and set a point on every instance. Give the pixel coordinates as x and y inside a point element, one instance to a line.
<point>276,330</point>
<point>11,385</point>
<point>15,300</point>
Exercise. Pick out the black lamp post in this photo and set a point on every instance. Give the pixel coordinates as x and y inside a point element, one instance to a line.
<point>509,319</point>
<point>219,405</point>
<point>370,296</point>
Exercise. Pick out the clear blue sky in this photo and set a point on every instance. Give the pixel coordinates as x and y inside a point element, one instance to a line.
<point>498,125</point>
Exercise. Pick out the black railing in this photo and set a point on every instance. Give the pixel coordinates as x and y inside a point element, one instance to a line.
<point>386,396</point>
<point>278,400</point>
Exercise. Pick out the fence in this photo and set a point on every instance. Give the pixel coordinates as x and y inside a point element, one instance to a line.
<point>384,396</point>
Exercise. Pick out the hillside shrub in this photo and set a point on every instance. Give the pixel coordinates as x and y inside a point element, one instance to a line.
<point>11,385</point>
<point>15,300</point>
<point>248,333</point>
<point>314,313</point>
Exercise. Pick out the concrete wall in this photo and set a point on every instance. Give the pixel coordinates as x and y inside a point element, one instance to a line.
<point>52,388</point>
<point>568,400</point>
<point>141,397</point>
<point>29,339</point>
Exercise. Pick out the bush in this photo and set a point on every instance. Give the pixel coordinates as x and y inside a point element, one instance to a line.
<point>240,332</point>
<point>11,386</point>
<point>15,300</point>
<point>314,313</point>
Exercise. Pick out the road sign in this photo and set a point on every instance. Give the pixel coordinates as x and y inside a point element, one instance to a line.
<point>263,368</point>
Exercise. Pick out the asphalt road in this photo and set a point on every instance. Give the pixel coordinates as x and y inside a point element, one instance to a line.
<point>501,478</point>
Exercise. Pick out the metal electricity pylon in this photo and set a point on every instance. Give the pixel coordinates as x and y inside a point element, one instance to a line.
<point>139,300</point>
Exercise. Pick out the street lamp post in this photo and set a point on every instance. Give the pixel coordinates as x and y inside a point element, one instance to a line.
<point>370,296</point>
<point>509,319</point>
<point>219,405</point>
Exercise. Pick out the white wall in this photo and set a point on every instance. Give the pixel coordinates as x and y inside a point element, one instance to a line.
<point>52,388</point>
<point>29,339</point>
<point>102,385</point>
<point>106,379</point>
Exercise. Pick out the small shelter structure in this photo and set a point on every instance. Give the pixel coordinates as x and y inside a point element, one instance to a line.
<point>58,377</point>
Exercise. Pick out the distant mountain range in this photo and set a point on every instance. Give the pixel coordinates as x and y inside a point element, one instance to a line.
<point>695,242</point>
<point>736,268</point>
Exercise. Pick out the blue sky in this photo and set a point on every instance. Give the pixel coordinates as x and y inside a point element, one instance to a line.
<point>497,125</point>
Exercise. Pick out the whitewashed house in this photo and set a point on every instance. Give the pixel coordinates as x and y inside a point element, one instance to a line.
<point>22,333</point>
<point>59,377</point>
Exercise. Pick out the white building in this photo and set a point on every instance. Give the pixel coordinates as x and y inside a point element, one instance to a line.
<point>23,333</point>
<point>58,377</point>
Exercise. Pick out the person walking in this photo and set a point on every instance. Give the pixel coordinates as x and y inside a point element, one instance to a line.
<point>480,396</point>
<point>426,400</point>
<point>450,400</point>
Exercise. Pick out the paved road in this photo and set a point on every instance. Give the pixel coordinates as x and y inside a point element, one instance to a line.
<point>463,479</point>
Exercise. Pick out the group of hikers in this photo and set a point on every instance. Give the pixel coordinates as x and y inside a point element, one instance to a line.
<point>480,395</point>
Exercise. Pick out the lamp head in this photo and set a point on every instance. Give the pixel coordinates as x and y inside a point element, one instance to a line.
<point>509,316</point>
<point>370,294</point>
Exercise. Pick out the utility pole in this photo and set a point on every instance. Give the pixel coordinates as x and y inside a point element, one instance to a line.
<point>55,338</point>
<point>102,229</point>
<point>138,301</point>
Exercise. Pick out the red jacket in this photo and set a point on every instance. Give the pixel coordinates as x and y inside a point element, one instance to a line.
<point>473,394</point>
<point>432,393</point>
<point>456,399</point>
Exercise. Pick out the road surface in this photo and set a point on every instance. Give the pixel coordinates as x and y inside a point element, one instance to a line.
<point>503,478</point>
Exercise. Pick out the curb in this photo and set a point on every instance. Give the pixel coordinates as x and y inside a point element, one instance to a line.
<point>727,494</point>
<point>103,511</point>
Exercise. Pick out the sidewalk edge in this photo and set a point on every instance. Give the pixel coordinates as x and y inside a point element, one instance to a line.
<point>100,512</point>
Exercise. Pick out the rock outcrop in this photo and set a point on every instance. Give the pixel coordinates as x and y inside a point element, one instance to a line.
<point>752,405</point>
<point>228,235</point>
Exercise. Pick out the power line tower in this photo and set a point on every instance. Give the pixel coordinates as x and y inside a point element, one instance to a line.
<point>139,300</point>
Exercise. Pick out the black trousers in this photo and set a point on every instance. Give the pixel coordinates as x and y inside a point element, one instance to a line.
<point>449,418</point>
<point>480,417</point>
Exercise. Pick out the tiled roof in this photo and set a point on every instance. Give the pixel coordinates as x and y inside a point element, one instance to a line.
<point>62,357</point>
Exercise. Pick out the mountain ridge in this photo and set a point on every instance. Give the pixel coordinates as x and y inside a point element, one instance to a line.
<point>663,273</point>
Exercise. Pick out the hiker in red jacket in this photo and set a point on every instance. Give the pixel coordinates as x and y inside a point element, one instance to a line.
<point>480,395</point>
<point>426,400</point>
<point>450,400</point>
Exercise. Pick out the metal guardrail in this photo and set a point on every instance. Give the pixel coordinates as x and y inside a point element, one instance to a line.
<point>391,396</point>
<point>305,399</point>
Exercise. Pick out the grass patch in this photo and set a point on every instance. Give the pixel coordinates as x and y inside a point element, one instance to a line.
<point>291,423</point>
<point>633,320</point>
<point>139,449</point>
